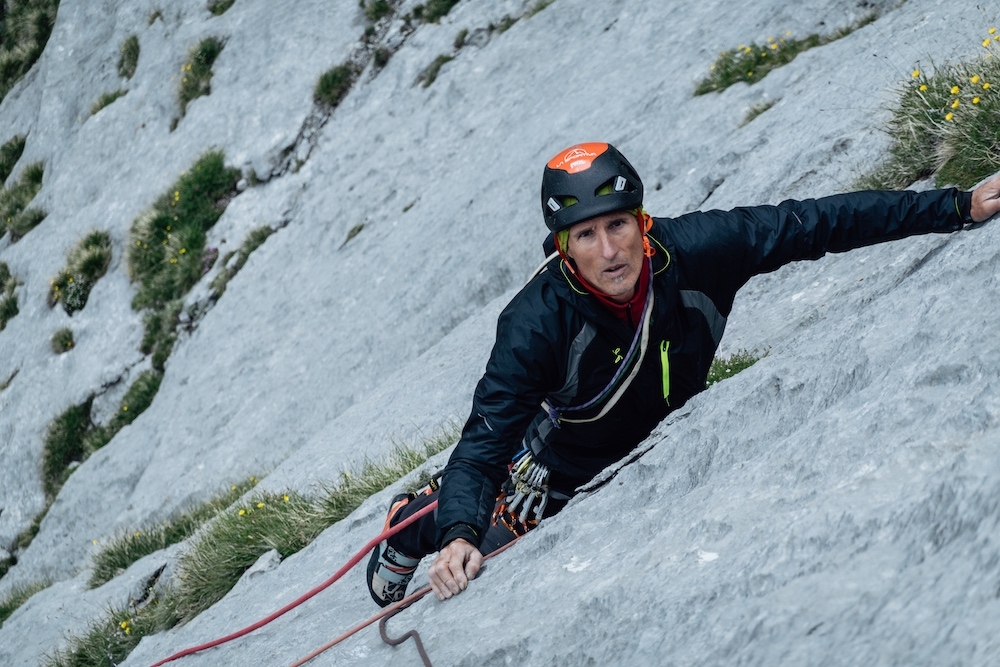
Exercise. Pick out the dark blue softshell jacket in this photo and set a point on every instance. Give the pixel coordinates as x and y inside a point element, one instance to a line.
<point>554,341</point>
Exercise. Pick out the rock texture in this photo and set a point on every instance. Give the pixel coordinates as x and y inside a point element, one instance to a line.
<point>834,504</point>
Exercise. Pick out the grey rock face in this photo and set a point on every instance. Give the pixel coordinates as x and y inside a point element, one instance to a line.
<point>834,504</point>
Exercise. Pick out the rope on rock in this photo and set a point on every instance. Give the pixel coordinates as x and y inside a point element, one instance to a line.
<point>399,640</point>
<point>389,611</point>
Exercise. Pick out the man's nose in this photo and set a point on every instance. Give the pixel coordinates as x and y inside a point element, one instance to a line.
<point>608,246</point>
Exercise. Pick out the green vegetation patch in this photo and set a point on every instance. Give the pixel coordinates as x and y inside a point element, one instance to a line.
<point>64,445</point>
<point>73,436</point>
<point>17,596</point>
<point>220,7</point>
<point>8,299</point>
<point>430,73</point>
<point>167,242</point>
<point>334,84</point>
<point>375,9</point>
<point>62,340</point>
<point>945,124</point>
<point>751,63</point>
<point>756,110</point>
<point>725,367</point>
<point>25,26</point>
<point>10,153</point>
<point>110,640</point>
<point>232,266</point>
<point>160,332</point>
<point>106,99</point>
<point>285,522</point>
<point>196,73</point>
<point>15,216</point>
<point>129,58</point>
<point>126,548</point>
<point>86,263</point>
<point>434,10</point>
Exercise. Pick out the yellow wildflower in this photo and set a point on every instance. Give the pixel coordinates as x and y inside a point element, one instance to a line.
<point>916,73</point>
<point>712,68</point>
<point>986,86</point>
<point>993,31</point>
<point>173,260</point>
<point>253,480</point>
<point>182,250</point>
<point>749,73</point>
<point>232,488</point>
<point>986,42</point>
<point>138,534</point>
<point>954,90</point>
<point>949,116</point>
<point>285,497</point>
<point>243,512</point>
<point>923,87</point>
<point>975,100</point>
<point>975,79</point>
<point>954,105</point>
<point>124,408</point>
<point>774,46</point>
<point>260,506</point>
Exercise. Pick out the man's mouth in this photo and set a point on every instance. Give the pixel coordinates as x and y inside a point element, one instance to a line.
<point>616,271</point>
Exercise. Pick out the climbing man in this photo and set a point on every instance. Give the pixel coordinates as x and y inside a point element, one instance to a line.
<point>617,330</point>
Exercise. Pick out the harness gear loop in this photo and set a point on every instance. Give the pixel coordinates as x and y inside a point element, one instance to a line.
<point>526,495</point>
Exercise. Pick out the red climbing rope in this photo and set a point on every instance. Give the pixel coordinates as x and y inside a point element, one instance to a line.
<point>318,589</point>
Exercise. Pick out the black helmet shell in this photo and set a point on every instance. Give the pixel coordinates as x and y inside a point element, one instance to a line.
<point>586,180</point>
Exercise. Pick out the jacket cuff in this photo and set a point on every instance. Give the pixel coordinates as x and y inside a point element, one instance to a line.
<point>463,531</point>
<point>963,205</point>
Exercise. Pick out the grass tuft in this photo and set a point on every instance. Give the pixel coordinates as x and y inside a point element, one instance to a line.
<point>727,367</point>
<point>8,300</point>
<point>167,242</point>
<point>128,547</point>
<point>15,215</point>
<point>17,596</point>
<point>751,63</point>
<point>220,7</point>
<point>64,445</point>
<point>430,73</point>
<point>537,7</point>
<point>945,124</point>
<point>285,522</point>
<point>196,73</point>
<point>138,397</point>
<point>86,263</point>
<point>25,27</point>
<point>10,153</point>
<point>129,59</point>
<point>254,240</point>
<point>334,84</point>
<point>375,9</point>
<point>434,10</point>
<point>62,341</point>
<point>106,99</point>
<point>160,332</point>
<point>756,110</point>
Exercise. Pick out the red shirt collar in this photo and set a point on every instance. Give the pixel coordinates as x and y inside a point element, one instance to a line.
<point>631,311</point>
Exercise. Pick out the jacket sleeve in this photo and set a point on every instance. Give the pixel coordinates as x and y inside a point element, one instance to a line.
<point>507,398</point>
<point>722,250</point>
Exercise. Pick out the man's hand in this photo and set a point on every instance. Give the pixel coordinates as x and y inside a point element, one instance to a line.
<point>457,564</point>
<point>986,200</point>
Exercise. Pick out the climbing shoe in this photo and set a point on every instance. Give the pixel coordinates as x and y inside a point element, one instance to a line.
<point>389,571</point>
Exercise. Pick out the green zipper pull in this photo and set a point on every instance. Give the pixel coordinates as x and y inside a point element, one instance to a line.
<point>665,365</point>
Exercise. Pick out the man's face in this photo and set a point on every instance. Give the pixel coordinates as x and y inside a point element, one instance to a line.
<point>608,253</point>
